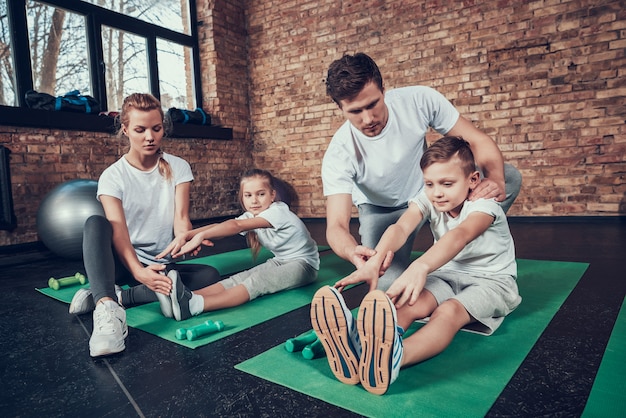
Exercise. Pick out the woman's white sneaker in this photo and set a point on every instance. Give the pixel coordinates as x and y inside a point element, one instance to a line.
<point>109,329</point>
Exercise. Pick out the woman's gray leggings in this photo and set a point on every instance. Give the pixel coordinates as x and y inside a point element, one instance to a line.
<point>105,269</point>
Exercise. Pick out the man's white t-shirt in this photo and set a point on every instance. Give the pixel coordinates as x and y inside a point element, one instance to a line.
<point>148,200</point>
<point>384,170</point>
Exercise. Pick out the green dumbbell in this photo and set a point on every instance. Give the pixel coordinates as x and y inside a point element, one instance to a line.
<point>298,343</point>
<point>181,334</point>
<point>209,327</point>
<point>56,284</point>
<point>313,350</point>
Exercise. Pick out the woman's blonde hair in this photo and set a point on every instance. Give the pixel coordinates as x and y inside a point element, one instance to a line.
<point>251,236</point>
<point>145,102</point>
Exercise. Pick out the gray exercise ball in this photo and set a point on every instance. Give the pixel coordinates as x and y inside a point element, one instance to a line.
<point>62,215</point>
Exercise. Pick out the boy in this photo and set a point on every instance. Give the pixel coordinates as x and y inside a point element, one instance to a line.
<point>467,276</point>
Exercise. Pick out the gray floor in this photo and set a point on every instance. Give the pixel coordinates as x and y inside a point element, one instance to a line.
<point>46,369</point>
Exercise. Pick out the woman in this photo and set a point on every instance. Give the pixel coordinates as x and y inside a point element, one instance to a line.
<point>145,196</point>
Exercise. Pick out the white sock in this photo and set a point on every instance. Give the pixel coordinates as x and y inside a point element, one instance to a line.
<point>118,293</point>
<point>110,304</point>
<point>196,304</point>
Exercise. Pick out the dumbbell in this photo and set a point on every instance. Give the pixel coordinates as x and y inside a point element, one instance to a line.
<point>298,343</point>
<point>56,284</point>
<point>313,350</point>
<point>195,332</point>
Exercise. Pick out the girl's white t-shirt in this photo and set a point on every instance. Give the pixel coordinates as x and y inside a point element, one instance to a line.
<point>288,238</point>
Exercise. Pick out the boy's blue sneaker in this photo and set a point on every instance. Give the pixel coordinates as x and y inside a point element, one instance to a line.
<point>336,329</point>
<point>381,338</point>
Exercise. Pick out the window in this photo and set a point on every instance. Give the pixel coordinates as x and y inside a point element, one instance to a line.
<point>104,48</point>
<point>58,49</point>
<point>172,14</point>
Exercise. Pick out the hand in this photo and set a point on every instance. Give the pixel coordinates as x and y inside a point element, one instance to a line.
<point>193,246</point>
<point>153,276</point>
<point>360,255</point>
<point>173,246</point>
<point>406,288</point>
<point>366,274</point>
<point>488,189</point>
<point>369,272</point>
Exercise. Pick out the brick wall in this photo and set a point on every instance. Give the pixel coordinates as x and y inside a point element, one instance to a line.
<point>546,79</point>
<point>42,159</point>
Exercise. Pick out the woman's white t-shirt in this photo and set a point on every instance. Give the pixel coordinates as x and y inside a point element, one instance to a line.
<point>148,200</point>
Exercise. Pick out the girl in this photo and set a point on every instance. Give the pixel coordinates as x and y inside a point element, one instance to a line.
<point>265,223</point>
<point>145,196</point>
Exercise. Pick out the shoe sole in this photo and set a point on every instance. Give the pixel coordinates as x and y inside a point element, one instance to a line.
<point>329,323</point>
<point>176,308</point>
<point>377,331</point>
<point>165,303</point>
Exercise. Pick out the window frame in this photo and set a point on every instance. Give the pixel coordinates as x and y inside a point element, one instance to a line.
<point>95,18</point>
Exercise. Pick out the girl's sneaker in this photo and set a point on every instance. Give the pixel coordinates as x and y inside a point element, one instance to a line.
<point>180,297</point>
<point>336,329</point>
<point>381,338</point>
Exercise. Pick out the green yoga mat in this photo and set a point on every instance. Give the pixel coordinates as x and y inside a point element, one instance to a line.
<point>238,260</point>
<point>462,381</point>
<point>225,263</point>
<point>607,394</point>
<point>148,317</point>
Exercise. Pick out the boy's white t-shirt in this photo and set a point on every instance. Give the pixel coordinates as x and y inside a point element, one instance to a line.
<point>288,238</point>
<point>491,252</point>
<point>148,200</point>
<point>384,170</point>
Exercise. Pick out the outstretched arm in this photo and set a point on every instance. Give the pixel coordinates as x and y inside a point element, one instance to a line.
<point>211,232</point>
<point>182,223</point>
<point>393,239</point>
<point>409,285</point>
<point>338,214</point>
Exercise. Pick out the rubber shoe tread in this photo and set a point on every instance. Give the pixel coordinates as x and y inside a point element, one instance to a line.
<point>330,318</point>
<point>381,343</point>
<point>180,296</point>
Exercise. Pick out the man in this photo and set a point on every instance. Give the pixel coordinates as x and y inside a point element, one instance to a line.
<point>373,158</point>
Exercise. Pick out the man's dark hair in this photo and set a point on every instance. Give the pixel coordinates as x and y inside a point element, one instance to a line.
<point>348,75</point>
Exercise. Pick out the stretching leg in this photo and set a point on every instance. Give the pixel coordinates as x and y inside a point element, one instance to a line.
<point>98,257</point>
<point>227,298</point>
<point>430,340</point>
